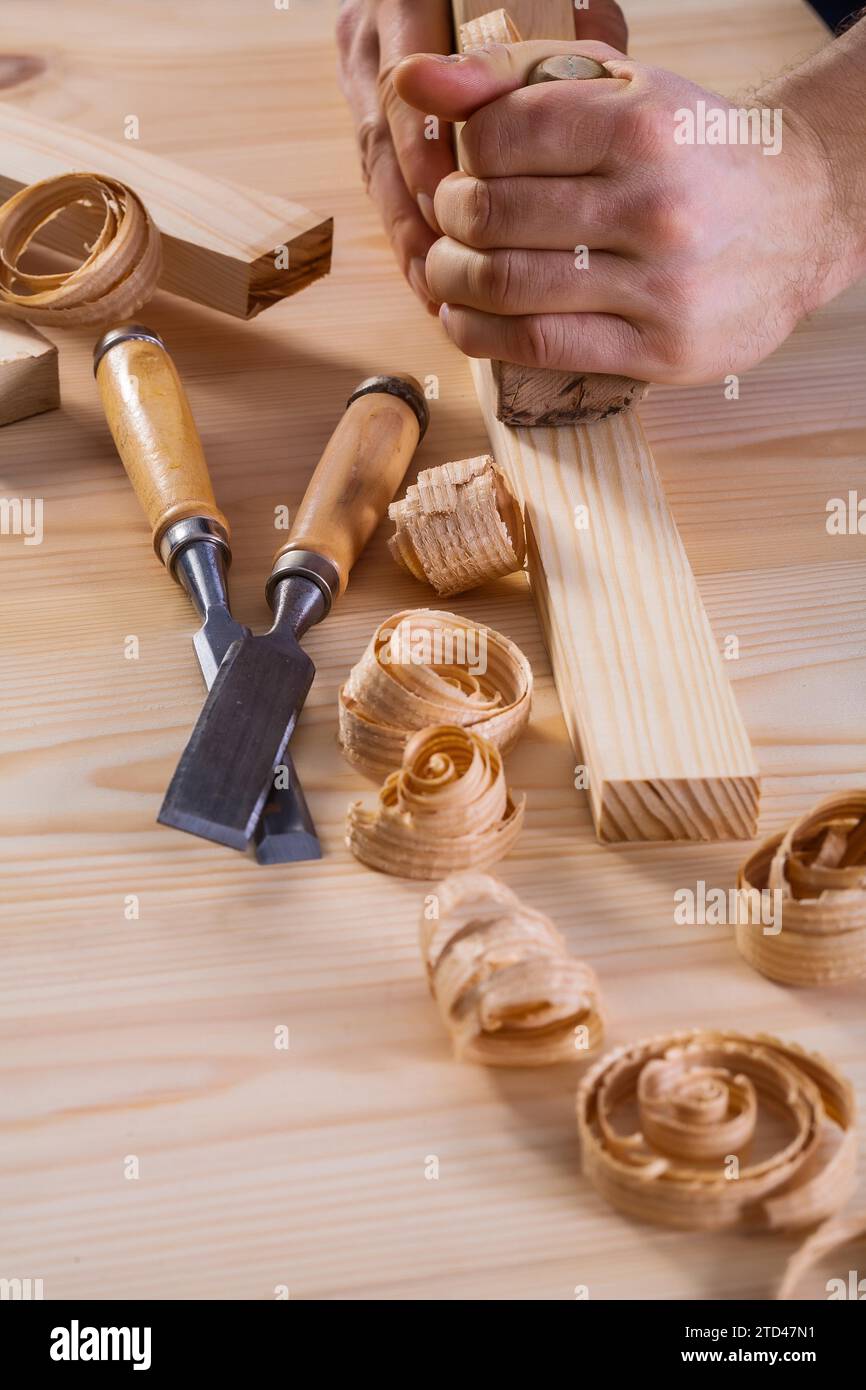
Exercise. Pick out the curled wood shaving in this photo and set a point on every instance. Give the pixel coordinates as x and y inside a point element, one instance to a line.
<point>121,268</point>
<point>829,1237</point>
<point>458,526</point>
<point>818,868</point>
<point>446,808</point>
<point>507,989</point>
<point>424,667</point>
<point>661,1119</point>
<point>495,27</point>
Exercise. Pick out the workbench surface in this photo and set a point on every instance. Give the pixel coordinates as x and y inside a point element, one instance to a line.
<point>154,1036</point>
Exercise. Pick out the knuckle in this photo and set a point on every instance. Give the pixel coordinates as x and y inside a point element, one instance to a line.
<point>674,346</point>
<point>496,279</point>
<point>670,221</point>
<point>649,129</point>
<point>478,213</point>
<point>373,140</point>
<point>347,23</point>
<point>386,90</point>
<point>543,339</point>
<point>485,143</point>
<point>354,32</point>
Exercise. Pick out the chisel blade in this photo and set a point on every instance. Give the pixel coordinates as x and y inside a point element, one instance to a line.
<point>287,831</point>
<point>225,774</point>
<point>213,639</point>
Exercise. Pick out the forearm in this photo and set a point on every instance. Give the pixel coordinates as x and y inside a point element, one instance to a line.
<point>826,98</point>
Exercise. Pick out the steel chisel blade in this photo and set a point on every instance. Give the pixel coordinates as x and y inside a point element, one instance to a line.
<point>225,774</point>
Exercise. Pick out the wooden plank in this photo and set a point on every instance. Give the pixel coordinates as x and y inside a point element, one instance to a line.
<point>639,677</point>
<point>640,680</point>
<point>225,246</point>
<point>29,381</point>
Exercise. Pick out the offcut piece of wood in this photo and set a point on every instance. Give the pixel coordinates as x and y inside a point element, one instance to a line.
<point>29,382</point>
<point>223,245</point>
<point>530,395</point>
<point>640,680</point>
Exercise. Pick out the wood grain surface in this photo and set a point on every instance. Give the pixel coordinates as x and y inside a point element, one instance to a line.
<point>154,1036</point>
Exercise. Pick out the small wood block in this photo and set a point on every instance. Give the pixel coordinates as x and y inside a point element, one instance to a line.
<point>29,381</point>
<point>527,396</point>
<point>531,395</point>
<point>223,245</point>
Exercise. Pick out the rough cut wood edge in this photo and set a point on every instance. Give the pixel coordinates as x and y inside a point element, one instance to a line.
<point>219,240</point>
<point>29,381</point>
<point>640,680</point>
<point>528,395</point>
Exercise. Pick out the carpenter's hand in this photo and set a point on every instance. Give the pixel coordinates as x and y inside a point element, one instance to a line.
<point>702,257</point>
<point>402,164</point>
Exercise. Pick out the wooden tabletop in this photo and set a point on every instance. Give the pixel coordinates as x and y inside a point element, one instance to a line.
<point>153,1036</point>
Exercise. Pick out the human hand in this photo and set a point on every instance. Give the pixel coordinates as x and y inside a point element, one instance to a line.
<point>701,259</point>
<point>402,165</point>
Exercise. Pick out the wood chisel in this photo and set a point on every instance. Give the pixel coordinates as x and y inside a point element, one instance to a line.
<point>156,437</point>
<point>222,779</point>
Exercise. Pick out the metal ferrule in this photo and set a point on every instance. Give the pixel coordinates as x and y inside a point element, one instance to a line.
<point>406,388</point>
<point>309,565</point>
<point>183,533</point>
<point>122,334</point>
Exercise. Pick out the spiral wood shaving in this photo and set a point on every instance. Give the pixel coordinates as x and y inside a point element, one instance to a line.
<point>393,691</point>
<point>689,1102</point>
<point>507,989</point>
<point>446,808</point>
<point>458,526</point>
<point>818,866</point>
<point>831,1236</point>
<point>119,273</point>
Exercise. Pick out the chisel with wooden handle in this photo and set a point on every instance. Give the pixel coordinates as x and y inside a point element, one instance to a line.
<point>149,417</point>
<point>223,777</point>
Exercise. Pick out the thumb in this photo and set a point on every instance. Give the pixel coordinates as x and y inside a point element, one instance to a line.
<point>453,86</point>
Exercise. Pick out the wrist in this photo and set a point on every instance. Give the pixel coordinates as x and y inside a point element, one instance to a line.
<point>825,130</point>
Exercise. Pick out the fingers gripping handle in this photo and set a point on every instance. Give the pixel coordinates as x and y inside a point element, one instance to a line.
<point>359,472</point>
<point>532,395</point>
<point>156,437</point>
